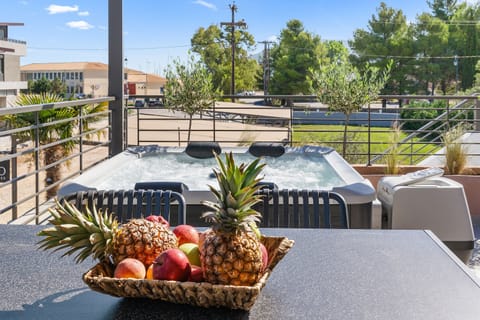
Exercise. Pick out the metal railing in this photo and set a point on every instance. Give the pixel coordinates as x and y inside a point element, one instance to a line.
<point>297,120</point>
<point>290,120</point>
<point>23,168</point>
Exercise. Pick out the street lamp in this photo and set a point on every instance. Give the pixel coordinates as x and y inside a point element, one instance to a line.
<point>455,63</point>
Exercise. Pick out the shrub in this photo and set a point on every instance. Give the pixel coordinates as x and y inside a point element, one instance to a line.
<point>419,113</point>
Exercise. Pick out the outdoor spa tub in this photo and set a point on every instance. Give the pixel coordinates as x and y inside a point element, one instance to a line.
<point>306,167</point>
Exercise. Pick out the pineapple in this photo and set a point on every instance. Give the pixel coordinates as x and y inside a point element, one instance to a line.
<point>230,252</point>
<point>99,235</point>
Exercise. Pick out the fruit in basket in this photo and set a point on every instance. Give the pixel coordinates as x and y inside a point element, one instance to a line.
<point>158,219</point>
<point>149,274</point>
<point>230,251</point>
<point>186,234</point>
<point>264,256</point>
<point>130,268</point>
<point>99,235</point>
<point>172,264</point>
<point>196,274</point>
<point>192,252</point>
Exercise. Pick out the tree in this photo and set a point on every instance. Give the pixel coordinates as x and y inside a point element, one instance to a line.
<point>215,50</point>
<point>431,45</point>
<point>465,32</point>
<point>59,124</point>
<point>388,38</point>
<point>342,87</point>
<point>189,88</point>
<point>40,86</point>
<point>58,87</point>
<point>296,53</point>
<point>443,9</point>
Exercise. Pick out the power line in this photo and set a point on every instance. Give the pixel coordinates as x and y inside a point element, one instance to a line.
<point>420,57</point>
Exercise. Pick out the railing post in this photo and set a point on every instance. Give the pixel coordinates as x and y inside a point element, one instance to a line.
<point>80,142</point>
<point>138,126</point>
<point>37,166</point>
<point>290,126</point>
<point>14,178</point>
<point>214,123</point>
<point>370,132</point>
<point>476,117</point>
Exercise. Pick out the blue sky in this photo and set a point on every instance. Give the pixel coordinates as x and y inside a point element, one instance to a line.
<point>158,31</point>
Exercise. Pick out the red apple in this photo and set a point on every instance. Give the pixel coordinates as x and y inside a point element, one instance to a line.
<point>196,274</point>
<point>171,264</point>
<point>158,219</point>
<point>264,256</point>
<point>186,234</point>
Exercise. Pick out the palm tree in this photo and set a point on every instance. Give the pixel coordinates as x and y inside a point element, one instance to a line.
<point>54,125</point>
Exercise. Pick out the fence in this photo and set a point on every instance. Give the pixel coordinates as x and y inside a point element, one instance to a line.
<point>290,120</point>
<point>33,162</point>
<point>297,120</point>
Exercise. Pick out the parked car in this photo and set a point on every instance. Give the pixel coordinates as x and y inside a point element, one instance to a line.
<point>246,93</point>
<point>139,104</point>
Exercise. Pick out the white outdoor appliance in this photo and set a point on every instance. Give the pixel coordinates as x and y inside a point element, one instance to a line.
<point>426,200</point>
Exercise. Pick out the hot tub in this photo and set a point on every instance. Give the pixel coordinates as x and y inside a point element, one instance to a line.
<point>306,167</point>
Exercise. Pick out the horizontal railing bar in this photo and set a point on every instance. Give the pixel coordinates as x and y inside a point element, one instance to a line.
<point>53,105</point>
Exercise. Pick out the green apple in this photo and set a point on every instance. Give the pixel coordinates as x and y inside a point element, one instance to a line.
<point>192,252</point>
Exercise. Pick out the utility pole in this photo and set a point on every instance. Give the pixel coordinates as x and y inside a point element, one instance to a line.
<point>233,24</point>
<point>266,66</point>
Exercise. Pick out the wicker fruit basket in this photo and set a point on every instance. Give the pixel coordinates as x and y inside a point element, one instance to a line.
<point>201,294</point>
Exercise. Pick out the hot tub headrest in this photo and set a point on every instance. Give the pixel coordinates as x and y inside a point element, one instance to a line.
<point>260,149</point>
<point>267,185</point>
<point>203,150</point>
<point>161,185</point>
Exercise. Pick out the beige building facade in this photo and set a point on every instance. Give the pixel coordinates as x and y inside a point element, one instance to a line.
<point>91,78</point>
<point>11,50</point>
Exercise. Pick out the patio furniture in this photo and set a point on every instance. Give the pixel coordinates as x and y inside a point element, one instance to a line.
<point>328,274</point>
<point>179,187</point>
<point>302,209</point>
<point>128,204</point>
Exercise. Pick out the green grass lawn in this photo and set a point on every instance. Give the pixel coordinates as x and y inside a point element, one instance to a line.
<point>357,142</point>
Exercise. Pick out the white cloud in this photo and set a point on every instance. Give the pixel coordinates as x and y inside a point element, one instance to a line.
<point>54,9</point>
<point>83,13</point>
<point>272,38</point>
<point>206,4</point>
<point>82,25</point>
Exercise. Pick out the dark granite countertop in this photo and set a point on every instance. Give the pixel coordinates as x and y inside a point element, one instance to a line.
<point>328,274</point>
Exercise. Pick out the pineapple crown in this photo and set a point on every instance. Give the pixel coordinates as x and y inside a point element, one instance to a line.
<point>237,193</point>
<point>87,234</point>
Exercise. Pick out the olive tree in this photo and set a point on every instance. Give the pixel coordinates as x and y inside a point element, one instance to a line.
<point>344,88</point>
<point>189,88</point>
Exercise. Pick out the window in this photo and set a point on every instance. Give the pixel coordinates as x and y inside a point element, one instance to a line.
<point>3,32</point>
<point>68,76</point>
<point>81,76</point>
<point>76,75</point>
<point>72,75</point>
<point>2,67</point>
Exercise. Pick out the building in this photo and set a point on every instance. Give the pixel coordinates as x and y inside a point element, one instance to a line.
<point>11,51</point>
<point>91,78</point>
